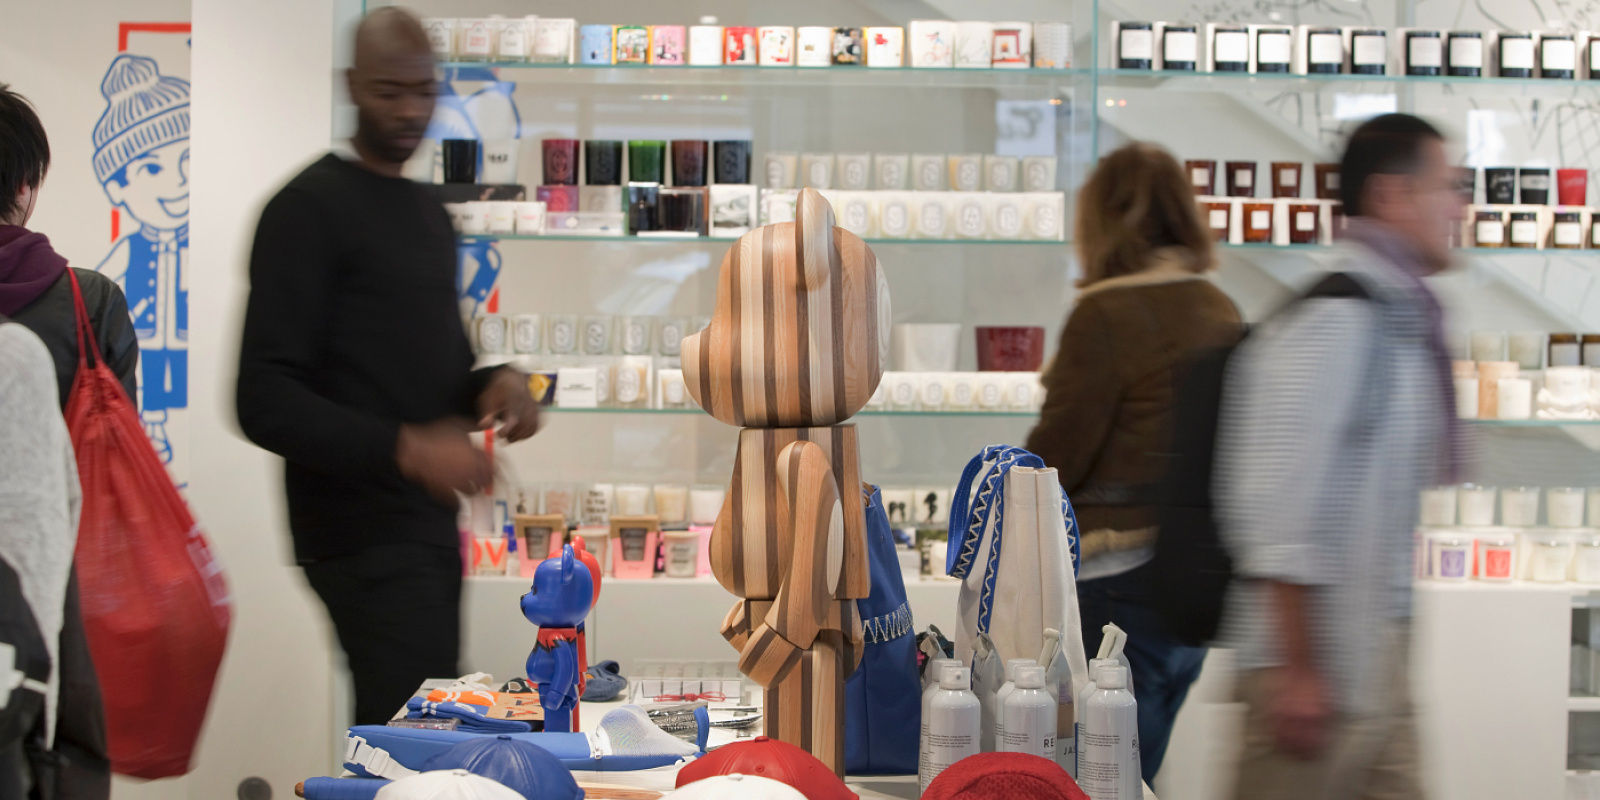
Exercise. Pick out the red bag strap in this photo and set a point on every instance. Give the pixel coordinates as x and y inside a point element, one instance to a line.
<point>86,338</point>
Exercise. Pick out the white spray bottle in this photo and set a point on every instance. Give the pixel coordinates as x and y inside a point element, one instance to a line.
<point>988,675</point>
<point>1108,756</point>
<point>931,677</point>
<point>1005,691</point>
<point>1058,682</point>
<point>955,723</point>
<point>1030,716</point>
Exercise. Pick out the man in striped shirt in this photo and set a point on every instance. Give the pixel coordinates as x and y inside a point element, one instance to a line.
<point>1336,413</point>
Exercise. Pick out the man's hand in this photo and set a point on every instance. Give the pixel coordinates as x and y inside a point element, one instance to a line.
<point>506,400</point>
<point>440,458</point>
<point>1298,710</point>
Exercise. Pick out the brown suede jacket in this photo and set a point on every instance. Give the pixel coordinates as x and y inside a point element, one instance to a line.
<point>1107,416</point>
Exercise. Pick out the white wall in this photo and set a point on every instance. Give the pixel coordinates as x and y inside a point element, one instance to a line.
<point>262,110</point>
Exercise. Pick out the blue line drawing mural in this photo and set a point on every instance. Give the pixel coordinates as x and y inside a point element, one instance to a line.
<point>141,159</point>
<point>488,113</point>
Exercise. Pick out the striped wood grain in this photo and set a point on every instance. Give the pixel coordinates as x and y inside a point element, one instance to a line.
<point>800,334</point>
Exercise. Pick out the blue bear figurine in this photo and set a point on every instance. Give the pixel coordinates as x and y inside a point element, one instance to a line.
<point>558,602</point>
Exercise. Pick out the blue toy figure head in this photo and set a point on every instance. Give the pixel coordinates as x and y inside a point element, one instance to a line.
<point>562,592</point>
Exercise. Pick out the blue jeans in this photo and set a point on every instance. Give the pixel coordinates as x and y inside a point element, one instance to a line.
<point>1162,668</point>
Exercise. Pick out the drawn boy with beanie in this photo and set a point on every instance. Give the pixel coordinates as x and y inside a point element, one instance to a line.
<point>141,158</point>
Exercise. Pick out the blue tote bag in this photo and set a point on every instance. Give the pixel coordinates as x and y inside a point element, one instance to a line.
<point>883,698</point>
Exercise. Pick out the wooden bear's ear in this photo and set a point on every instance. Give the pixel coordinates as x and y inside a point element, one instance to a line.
<point>813,231</point>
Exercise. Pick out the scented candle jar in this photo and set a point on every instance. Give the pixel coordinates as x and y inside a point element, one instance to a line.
<point>1202,176</point>
<point>1467,184</point>
<point>1304,227</point>
<point>1218,219</point>
<point>1466,54</point>
<point>1516,398</point>
<point>689,162</point>
<point>1524,229</point>
<point>1135,45</point>
<point>1230,46</point>
<point>1519,506</point>
<point>1497,556</point>
<point>1274,49</point>
<point>1327,181</point>
<point>1476,505</point>
<point>1549,556</point>
<point>1324,51</point>
<point>1488,345</point>
<point>1586,557</point>
<point>1257,223</point>
<point>1592,506</point>
<point>1500,185</point>
<point>681,550</point>
<point>1572,186</point>
<point>1558,56</point>
<point>1564,506</point>
<point>1516,55</point>
<point>1369,51</point>
<point>1450,557</point>
<point>1527,349</point>
<point>646,161</point>
<point>1533,186</point>
<point>1424,53</point>
<point>1285,179</point>
<point>1589,352</point>
<point>1241,178</point>
<point>560,162</point>
<point>1180,47</point>
<point>1438,506</point>
<point>1490,373</point>
<point>1466,396</point>
<point>1567,233</point>
<point>1489,229</point>
<point>1594,58</point>
<point>1564,350</point>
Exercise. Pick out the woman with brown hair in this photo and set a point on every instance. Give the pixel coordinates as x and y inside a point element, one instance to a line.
<point>1144,305</point>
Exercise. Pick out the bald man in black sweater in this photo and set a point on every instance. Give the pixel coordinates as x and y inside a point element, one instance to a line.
<point>355,367</point>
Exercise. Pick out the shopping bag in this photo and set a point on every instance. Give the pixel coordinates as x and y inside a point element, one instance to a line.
<point>1014,545</point>
<point>155,605</point>
<point>883,697</point>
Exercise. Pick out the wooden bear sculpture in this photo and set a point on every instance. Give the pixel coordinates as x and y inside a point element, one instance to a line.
<point>795,347</point>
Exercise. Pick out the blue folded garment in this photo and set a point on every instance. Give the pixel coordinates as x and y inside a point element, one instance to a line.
<point>472,719</point>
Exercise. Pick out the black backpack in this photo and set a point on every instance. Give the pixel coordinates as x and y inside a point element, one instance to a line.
<point>1190,572</point>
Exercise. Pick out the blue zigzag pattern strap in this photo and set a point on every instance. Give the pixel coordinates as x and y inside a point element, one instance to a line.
<point>967,524</point>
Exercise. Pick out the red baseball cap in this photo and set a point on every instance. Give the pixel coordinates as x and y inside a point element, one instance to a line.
<point>770,758</point>
<point>1001,776</point>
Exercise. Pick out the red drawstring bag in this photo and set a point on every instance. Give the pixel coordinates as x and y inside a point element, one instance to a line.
<point>155,605</point>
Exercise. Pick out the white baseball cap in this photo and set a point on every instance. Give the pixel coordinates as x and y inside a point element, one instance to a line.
<point>737,787</point>
<point>447,784</point>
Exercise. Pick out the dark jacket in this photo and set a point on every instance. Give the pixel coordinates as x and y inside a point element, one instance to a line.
<point>1107,415</point>
<point>51,319</point>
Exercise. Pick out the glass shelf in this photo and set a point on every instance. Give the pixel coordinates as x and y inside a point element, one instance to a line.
<point>864,413</point>
<point>1461,251</point>
<point>714,75</point>
<point>1179,80</point>
<point>1534,423</point>
<point>723,240</point>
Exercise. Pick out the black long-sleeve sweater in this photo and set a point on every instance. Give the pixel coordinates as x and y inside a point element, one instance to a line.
<point>352,328</point>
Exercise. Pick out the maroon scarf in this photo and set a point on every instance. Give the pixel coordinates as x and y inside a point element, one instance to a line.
<point>28,266</point>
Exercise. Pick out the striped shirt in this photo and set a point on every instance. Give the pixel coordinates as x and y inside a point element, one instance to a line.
<point>1330,426</point>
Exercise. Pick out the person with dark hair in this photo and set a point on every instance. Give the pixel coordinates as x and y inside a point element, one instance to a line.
<point>1335,414</point>
<point>36,292</point>
<point>355,367</point>
<point>1144,306</point>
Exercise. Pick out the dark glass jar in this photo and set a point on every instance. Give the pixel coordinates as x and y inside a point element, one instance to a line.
<point>1202,176</point>
<point>1369,51</point>
<point>1257,221</point>
<point>1180,46</point>
<point>1424,53</point>
<point>1304,223</point>
<point>1533,186</point>
<point>1285,179</point>
<point>1324,51</point>
<point>1558,56</point>
<point>1564,351</point>
<point>1230,48</point>
<point>1327,181</point>
<point>1274,48</point>
<point>1567,233</point>
<point>1516,55</point>
<point>1218,219</point>
<point>1489,229</point>
<point>1500,185</point>
<point>643,201</point>
<point>1467,183</point>
<point>1594,59</point>
<point>1135,45</point>
<point>1524,230</point>
<point>1241,178</point>
<point>1466,54</point>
